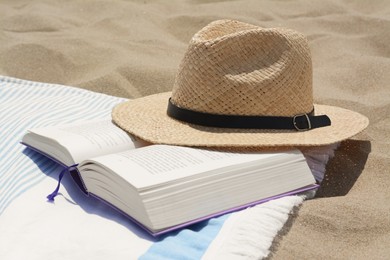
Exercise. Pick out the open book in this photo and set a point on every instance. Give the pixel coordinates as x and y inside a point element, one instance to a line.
<point>163,187</point>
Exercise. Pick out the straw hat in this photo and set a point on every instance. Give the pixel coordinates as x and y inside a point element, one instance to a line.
<point>240,85</point>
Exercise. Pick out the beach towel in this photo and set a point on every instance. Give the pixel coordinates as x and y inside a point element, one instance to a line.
<point>79,227</point>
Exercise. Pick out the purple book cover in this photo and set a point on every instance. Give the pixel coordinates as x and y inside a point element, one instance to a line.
<point>76,177</point>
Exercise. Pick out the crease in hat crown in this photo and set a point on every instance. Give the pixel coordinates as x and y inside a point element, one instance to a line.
<point>234,68</point>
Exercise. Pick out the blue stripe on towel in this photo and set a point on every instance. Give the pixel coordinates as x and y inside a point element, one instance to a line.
<point>186,244</point>
<point>25,104</point>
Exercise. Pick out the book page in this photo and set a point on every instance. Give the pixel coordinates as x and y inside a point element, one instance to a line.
<point>159,164</point>
<point>89,139</point>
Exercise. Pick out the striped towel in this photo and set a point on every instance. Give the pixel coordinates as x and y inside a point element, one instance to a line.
<point>80,227</point>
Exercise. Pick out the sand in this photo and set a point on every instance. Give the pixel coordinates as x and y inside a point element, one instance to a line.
<point>133,48</point>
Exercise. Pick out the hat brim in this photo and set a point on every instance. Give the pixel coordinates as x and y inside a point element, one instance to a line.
<point>146,118</point>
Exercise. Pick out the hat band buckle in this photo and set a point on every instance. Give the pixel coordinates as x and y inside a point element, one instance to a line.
<point>307,120</point>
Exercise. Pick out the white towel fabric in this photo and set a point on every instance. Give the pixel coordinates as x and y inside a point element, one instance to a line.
<point>80,227</point>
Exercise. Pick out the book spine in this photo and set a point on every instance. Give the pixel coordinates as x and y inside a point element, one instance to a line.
<point>78,180</point>
<point>72,171</point>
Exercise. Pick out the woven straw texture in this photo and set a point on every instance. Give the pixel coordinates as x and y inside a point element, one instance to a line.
<point>231,66</point>
<point>234,68</point>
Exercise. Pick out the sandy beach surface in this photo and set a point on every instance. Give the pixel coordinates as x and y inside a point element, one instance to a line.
<point>133,48</point>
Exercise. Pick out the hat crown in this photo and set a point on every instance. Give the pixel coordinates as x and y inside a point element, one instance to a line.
<point>234,68</point>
